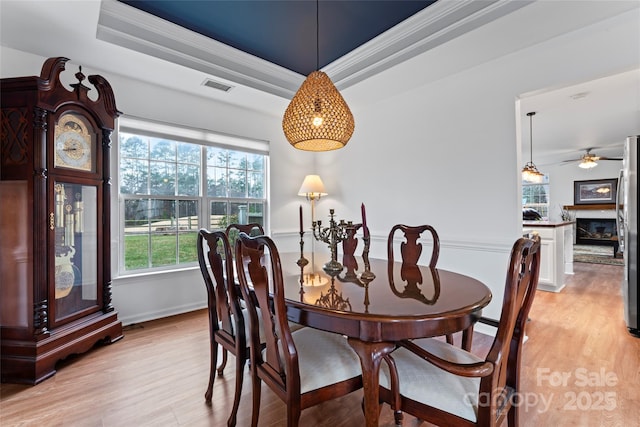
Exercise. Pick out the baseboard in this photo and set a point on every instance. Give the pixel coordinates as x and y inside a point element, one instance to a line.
<point>153,315</point>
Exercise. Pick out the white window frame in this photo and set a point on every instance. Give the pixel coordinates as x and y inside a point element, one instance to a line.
<point>147,127</point>
<point>546,206</point>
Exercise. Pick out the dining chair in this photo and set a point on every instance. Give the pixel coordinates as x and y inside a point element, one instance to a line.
<point>234,229</point>
<point>445,385</point>
<point>411,251</point>
<point>227,325</point>
<point>304,367</point>
<point>354,233</point>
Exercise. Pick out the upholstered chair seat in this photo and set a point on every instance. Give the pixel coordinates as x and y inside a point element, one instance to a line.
<point>424,382</point>
<point>316,369</point>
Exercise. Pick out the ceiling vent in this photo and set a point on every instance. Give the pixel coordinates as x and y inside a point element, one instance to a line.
<point>580,95</point>
<point>217,85</point>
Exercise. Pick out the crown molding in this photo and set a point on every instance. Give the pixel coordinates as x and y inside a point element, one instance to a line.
<point>128,27</point>
<point>134,29</point>
<point>435,25</point>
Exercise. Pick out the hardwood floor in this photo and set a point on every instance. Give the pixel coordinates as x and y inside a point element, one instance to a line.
<point>157,375</point>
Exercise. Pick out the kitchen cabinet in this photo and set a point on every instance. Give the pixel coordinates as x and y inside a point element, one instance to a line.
<point>556,245</point>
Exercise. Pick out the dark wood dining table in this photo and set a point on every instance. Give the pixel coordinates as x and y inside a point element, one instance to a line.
<point>398,303</point>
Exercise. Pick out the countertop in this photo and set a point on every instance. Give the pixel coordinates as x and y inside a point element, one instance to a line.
<point>546,223</point>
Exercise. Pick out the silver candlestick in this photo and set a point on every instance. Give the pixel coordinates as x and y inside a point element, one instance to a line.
<point>367,274</point>
<point>302,261</point>
<point>332,236</point>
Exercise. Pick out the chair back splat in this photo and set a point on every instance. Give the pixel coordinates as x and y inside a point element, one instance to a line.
<point>303,367</point>
<point>411,249</point>
<point>350,243</point>
<point>234,229</point>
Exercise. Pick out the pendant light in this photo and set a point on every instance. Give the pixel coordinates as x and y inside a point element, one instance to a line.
<point>318,118</point>
<point>530,172</point>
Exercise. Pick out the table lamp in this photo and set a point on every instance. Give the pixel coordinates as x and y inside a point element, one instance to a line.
<point>312,188</point>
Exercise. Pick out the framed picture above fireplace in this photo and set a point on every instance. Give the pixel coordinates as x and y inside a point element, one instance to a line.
<point>595,191</point>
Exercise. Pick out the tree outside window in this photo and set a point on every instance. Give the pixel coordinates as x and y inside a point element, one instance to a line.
<point>167,186</point>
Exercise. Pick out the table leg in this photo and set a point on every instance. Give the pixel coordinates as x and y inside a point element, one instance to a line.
<point>371,354</point>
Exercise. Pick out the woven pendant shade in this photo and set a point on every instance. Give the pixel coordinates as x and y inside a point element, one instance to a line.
<point>318,118</point>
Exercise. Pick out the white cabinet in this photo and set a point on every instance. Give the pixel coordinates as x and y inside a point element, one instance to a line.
<point>556,256</point>
<point>547,267</point>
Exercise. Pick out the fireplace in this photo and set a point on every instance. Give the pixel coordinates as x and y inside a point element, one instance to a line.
<point>597,231</point>
<point>591,231</point>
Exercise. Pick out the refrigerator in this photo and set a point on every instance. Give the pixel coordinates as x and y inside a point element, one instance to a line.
<point>627,224</point>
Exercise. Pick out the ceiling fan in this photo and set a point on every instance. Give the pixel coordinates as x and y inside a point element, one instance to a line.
<point>589,160</point>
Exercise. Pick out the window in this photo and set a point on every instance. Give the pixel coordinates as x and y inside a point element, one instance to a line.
<point>175,181</point>
<point>536,196</point>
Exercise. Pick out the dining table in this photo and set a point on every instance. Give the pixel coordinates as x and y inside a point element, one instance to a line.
<point>378,304</point>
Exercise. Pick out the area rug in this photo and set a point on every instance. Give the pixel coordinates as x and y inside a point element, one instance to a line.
<point>596,255</point>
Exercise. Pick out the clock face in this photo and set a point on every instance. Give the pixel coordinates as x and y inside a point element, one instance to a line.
<point>73,143</point>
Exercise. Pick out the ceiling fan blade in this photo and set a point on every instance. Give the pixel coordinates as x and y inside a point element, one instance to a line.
<point>610,158</point>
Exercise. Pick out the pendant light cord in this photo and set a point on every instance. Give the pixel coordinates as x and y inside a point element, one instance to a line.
<point>317,35</point>
<point>531,135</point>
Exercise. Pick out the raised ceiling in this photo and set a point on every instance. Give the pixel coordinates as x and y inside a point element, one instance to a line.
<point>116,38</point>
<point>284,32</point>
<point>271,45</point>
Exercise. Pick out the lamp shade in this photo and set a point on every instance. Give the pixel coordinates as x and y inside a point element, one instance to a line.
<point>531,174</point>
<point>318,118</point>
<point>312,187</point>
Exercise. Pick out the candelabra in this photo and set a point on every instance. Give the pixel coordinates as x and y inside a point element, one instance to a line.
<point>332,236</point>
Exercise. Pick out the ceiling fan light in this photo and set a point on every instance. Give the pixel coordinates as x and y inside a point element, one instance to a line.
<point>588,164</point>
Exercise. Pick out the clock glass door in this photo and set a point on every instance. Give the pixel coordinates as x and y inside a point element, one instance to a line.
<point>75,222</point>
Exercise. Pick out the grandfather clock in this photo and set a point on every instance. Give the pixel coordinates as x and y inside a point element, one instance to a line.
<point>55,273</point>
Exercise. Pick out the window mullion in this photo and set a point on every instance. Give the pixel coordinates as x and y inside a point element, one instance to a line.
<point>174,160</point>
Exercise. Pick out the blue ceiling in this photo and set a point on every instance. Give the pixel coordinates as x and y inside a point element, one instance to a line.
<point>284,32</point>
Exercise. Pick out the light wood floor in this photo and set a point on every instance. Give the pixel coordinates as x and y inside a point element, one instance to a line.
<point>157,375</point>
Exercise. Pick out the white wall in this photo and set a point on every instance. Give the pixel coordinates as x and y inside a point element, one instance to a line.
<point>444,153</point>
